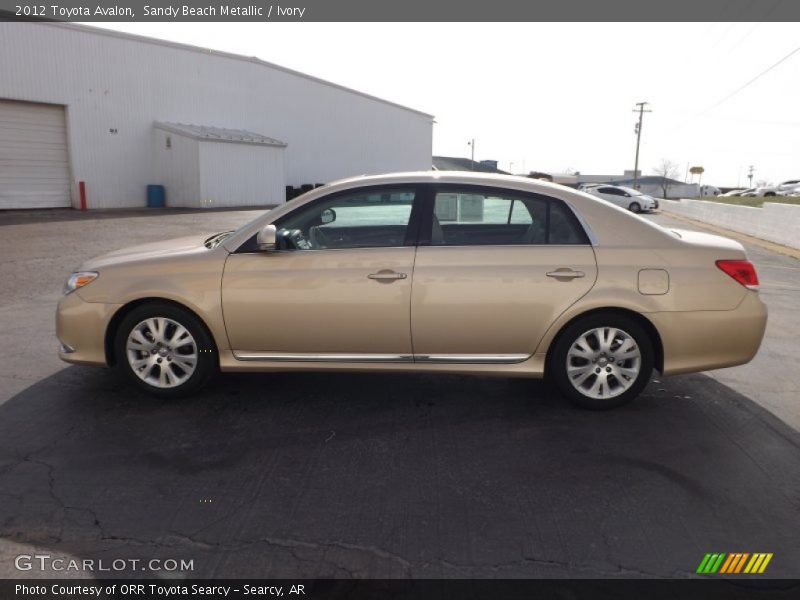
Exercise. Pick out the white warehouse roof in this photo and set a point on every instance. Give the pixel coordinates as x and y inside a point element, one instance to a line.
<point>219,134</point>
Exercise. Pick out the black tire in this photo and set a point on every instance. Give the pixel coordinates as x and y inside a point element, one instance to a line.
<point>207,364</point>
<point>558,360</point>
<point>768,194</point>
<point>635,207</point>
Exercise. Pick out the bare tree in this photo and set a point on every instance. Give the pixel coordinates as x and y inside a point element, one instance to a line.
<point>668,171</point>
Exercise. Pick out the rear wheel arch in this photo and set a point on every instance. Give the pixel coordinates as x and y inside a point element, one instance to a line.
<point>125,310</point>
<point>641,320</point>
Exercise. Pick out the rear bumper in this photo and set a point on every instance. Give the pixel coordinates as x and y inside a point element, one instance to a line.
<point>712,339</point>
<point>81,329</point>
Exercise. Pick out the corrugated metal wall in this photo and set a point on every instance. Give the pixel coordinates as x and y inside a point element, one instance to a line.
<point>115,88</point>
<point>241,174</point>
<point>177,168</point>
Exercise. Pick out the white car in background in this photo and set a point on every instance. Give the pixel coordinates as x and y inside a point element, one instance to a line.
<point>633,200</point>
<point>774,190</point>
<point>739,192</point>
<point>795,191</point>
<point>710,190</point>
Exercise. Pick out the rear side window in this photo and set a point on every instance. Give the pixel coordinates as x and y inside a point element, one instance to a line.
<point>564,226</point>
<point>470,218</point>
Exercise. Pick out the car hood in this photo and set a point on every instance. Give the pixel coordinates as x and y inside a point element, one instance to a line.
<point>151,251</point>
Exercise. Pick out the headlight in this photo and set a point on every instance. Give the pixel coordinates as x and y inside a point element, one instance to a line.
<point>78,280</point>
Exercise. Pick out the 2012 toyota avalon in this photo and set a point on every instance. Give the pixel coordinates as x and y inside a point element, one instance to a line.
<point>423,272</point>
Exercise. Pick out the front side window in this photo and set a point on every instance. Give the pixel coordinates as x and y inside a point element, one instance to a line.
<point>358,219</point>
<point>472,218</point>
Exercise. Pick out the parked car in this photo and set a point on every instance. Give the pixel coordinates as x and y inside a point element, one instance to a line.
<point>733,193</point>
<point>429,272</point>
<point>774,190</point>
<point>793,192</point>
<point>626,197</point>
<point>709,190</point>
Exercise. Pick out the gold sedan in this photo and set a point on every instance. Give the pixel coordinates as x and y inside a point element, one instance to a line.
<point>420,272</point>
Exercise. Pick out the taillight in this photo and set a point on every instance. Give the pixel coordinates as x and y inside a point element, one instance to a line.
<point>742,271</point>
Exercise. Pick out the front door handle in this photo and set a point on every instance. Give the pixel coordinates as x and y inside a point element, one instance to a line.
<point>565,274</point>
<point>386,276</point>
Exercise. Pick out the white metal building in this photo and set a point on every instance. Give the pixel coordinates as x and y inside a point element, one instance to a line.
<point>119,112</point>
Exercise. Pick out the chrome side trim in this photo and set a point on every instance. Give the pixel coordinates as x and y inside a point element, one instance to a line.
<point>386,358</point>
<point>326,357</point>
<point>471,358</point>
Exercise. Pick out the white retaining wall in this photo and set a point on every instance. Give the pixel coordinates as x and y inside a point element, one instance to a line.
<point>775,222</point>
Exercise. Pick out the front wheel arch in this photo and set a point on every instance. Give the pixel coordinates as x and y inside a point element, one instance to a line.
<point>125,309</point>
<point>642,321</point>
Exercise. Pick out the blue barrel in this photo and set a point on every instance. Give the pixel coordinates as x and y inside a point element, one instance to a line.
<point>156,196</point>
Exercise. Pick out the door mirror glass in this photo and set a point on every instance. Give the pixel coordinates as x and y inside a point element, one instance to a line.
<point>266,238</point>
<point>328,216</point>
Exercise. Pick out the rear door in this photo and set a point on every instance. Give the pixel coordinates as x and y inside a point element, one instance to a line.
<point>494,269</point>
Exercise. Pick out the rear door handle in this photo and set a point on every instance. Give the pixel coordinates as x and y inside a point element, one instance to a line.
<point>565,274</point>
<point>386,276</point>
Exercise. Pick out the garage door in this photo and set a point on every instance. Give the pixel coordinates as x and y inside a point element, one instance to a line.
<point>34,171</point>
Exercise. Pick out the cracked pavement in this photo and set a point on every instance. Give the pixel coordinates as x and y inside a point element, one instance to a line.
<point>332,475</point>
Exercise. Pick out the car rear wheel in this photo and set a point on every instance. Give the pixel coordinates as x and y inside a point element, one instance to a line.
<point>165,350</point>
<point>602,361</point>
<point>635,207</point>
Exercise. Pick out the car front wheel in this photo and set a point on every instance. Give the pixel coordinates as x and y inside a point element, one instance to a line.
<point>165,350</point>
<point>602,361</point>
<point>635,207</point>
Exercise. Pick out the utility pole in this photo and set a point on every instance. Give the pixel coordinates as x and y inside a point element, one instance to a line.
<point>750,171</point>
<point>472,164</point>
<point>641,110</point>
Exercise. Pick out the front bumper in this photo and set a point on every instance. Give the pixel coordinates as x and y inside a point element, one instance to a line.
<point>696,341</point>
<point>81,329</point>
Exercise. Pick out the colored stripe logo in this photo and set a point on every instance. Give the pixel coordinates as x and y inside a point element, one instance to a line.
<point>734,563</point>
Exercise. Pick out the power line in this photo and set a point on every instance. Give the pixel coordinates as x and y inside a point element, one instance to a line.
<point>751,81</point>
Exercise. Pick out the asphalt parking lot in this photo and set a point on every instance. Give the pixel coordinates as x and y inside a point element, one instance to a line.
<point>326,475</point>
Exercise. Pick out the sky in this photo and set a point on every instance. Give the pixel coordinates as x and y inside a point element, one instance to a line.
<point>559,97</point>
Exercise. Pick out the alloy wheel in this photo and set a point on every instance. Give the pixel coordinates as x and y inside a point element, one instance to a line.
<point>161,352</point>
<point>603,362</point>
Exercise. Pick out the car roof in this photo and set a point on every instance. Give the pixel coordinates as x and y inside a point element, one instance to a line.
<point>463,177</point>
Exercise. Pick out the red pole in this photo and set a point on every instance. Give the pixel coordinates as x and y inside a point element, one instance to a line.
<point>82,189</point>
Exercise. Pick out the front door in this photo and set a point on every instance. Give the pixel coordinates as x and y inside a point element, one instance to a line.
<point>498,268</point>
<point>339,288</point>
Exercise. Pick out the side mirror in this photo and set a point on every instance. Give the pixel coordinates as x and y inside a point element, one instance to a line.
<point>266,239</point>
<point>328,216</point>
